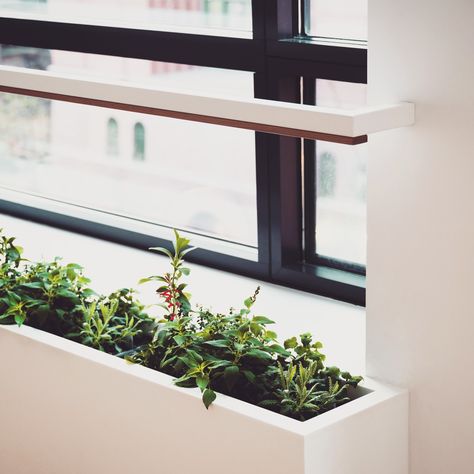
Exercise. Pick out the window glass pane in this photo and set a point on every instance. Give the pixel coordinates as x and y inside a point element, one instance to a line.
<point>214,17</point>
<point>344,19</point>
<point>341,175</point>
<point>193,176</point>
<point>178,77</point>
<point>188,175</point>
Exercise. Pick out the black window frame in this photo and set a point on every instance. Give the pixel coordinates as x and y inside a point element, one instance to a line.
<point>285,63</point>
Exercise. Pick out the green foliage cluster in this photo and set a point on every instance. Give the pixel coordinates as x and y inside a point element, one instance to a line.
<point>237,354</point>
<point>234,353</point>
<point>56,298</point>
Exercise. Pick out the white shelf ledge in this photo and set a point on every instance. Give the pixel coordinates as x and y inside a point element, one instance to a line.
<point>282,118</point>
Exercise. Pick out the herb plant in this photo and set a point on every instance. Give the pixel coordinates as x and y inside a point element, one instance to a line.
<point>56,298</point>
<point>234,353</point>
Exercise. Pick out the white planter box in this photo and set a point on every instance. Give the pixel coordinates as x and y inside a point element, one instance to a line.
<point>69,409</point>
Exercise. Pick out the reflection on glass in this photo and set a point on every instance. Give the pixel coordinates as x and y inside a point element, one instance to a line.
<point>341,173</point>
<point>218,17</point>
<point>342,19</point>
<point>139,142</point>
<point>194,176</point>
<point>112,137</point>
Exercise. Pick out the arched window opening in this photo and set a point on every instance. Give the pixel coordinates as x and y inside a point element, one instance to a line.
<point>139,142</point>
<point>112,137</point>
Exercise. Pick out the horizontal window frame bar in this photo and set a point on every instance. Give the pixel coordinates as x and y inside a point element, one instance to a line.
<point>300,48</point>
<point>277,66</point>
<point>339,264</point>
<point>318,280</point>
<point>223,52</point>
<point>330,282</point>
<point>182,48</point>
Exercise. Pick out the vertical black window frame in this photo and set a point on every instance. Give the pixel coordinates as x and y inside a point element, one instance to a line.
<point>291,163</point>
<point>274,20</point>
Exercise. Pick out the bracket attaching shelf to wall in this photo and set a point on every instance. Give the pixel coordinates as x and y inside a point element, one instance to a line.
<point>349,127</point>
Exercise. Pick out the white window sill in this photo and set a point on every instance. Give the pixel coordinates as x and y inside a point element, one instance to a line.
<point>339,326</point>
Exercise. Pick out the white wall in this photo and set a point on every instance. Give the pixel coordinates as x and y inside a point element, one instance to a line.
<point>420,322</point>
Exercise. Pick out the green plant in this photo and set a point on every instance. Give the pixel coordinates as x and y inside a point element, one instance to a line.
<point>112,324</point>
<point>56,298</point>
<point>233,353</point>
<point>46,294</point>
<point>176,300</point>
<point>237,354</point>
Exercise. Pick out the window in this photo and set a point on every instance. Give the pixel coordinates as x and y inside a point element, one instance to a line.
<point>112,137</point>
<point>283,209</point>
<point>139,142</point>
<point>346,19</point>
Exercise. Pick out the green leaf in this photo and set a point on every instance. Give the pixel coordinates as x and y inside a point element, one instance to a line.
<point>231,375</point>
<point>202,381</point>
<point>88,292</point>
<point>279,350</point>
<point>208,397</point>
<point>71,273</point>
<point>20,319</point>
<point>333,371</point>
<point>34,284</point>
<point>180,340</point>
<point>219,363</point>
<point>256,328</point>
<point>67,294</point>
<point>218,343</point>
<point>144,280</point>
<point>262,320</point>
<point>184,381</point>
<point>185,271</point>
<point>196,356</point>
<point>271,335</point>
<point>250,376</point>
<point>189,361</point>
<point>189,249</point>
<point>248,303</point>
<point>291,343</point>
<point>162,250</point>
<point>259,354</point>
<point>75,266</point>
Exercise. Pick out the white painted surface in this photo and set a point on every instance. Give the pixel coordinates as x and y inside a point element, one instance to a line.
<point>350,123</point>
<point>420,314</point>
<point>66,408</point>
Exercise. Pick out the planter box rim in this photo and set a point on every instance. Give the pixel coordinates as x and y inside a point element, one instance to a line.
<point>371,392</point>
